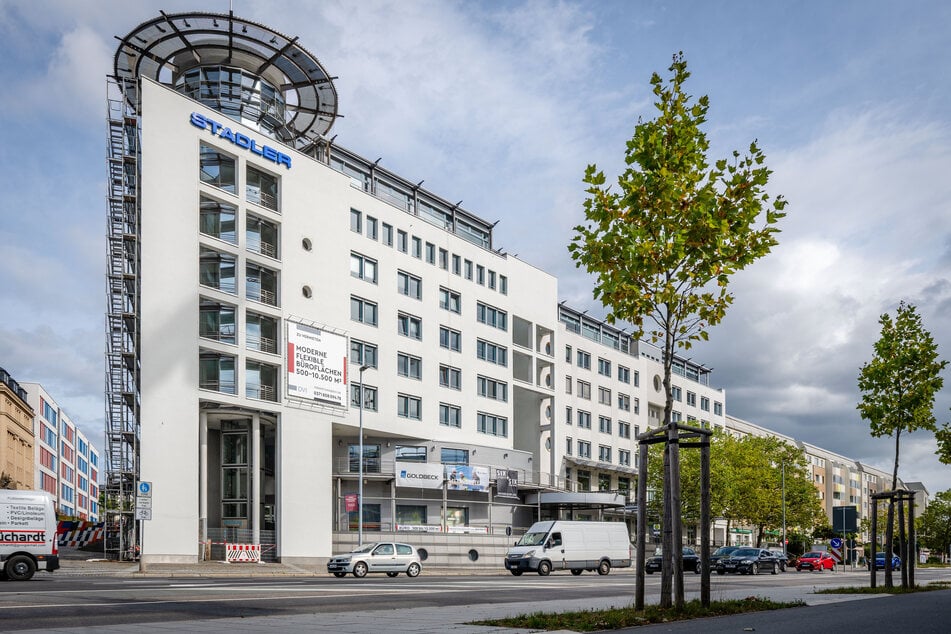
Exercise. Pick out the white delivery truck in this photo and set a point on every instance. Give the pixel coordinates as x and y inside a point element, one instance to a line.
<point>27,534</point>
<point>574,546</point>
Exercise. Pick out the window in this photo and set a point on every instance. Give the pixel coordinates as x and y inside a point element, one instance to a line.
<point>604,424</point>
<point>705,403</point>
<point>417,247</point>
<point>387,235</point>
<point>491,279</point>
<point>503,285</point>
<point>217,169</point>
<point>490,388</point>
<point>568,415</point>
<point>217,270</point>
<point>675,417</point>
<point>604,367</point>
<point>430,253</point>
<point>450,339</point>
<point>362,267</point>
<point>488,351</point>
<point>409,326</point>
<point>584,360</point>
<point>492,425</point>
<point>623,402</point>
<point>401,241</point>
<point>604,396</point>
<point>568,354</point>
<point>260,381</point>
<point>371,227</point>
<point>409,285</point>
<point>691,399</point>
<point>450,300</point>
<point>480,275</point>
<point>468,264</point>
<point>371,458</point>
<point>261,188</point>
<point>623,429</point>
<point>450,415</point>
<point>216,372</point>
<point>218,219</point>
<point>604,454</point>
<point>408,453</point>
<point>262,236</point>
<point>584,390</point>
<point>584,419</point>
<point>450,377</point>
<point>584,451</point>
<point>456,264</point>
<point>216,322</point>
<point>260,284</point>
<point>363,310</point>
<point>356,221</point>
<point>369,396</point>
<point>408,406</point>
<point>623,374</point>
<point>261,332</point>
<point>717,408</point>
<point>676,393</point>
<point>444,259</point>
<point>568,447</point>
<point>624,484</point>
<point>448,455</point>
<point>568,384</point>
<point>637,406</point>
<point>491,316</point>
<point>624,459</point>
<point>363,353</point>
<point>408,365</point>
<point>637,378</point>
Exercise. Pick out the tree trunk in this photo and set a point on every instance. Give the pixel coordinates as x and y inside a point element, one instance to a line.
<point>889,534</point>
<point>666,539</point>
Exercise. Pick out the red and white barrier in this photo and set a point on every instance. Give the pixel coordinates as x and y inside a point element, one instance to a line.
<point>243,553</point>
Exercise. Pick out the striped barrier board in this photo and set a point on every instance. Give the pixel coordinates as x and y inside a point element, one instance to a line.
<point>243,553</point>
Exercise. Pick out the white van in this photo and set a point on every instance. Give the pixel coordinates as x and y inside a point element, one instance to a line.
<point>27,534</point>
<point>574,546</point>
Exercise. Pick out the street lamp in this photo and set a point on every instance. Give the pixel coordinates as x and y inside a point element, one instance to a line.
<point>360,484</point>
<point>785,546</point>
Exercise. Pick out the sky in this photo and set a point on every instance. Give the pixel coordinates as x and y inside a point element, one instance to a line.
<point>502,105</point>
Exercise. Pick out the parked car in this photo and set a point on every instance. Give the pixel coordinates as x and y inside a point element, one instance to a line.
<point>750,561</point>
<point>691,561</point>
<point>782,557</point>
<point>880,562</point>
<point>389,557</point>
<point>816,560</point>
<point>720,553</point>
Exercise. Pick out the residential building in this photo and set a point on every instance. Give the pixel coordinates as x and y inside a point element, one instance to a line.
<point>16,434</point>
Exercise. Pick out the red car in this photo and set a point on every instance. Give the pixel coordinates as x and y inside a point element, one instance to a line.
<point>816,560</point>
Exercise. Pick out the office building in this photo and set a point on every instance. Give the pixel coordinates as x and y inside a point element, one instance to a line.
<point>16,435</point>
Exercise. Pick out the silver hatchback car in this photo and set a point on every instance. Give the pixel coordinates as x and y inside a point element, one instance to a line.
<point>389,557</point>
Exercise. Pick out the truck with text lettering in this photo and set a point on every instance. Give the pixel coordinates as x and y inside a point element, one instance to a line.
<point>28,539</point>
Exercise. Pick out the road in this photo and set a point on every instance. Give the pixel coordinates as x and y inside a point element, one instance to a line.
<point>51,601</point>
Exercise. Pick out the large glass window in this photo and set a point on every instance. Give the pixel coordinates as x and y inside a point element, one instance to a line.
<point>450,339</point>
<point>490,388</point>
<point>262,236</point>
<point>261,381</point>
<point>450,377</point>
<point>409,285</point>
<point>216,372</point>
<point>450,300</point>
<point>217,270</point>
<point>408,365</point>
<point>261,284</point>
<point>363,353</point>
<point>363,310</point>
<point>411,514</point>
<point>234,471</point>
<point>409,406</point>
<point>218,219</point>
<point>410,453</point>
<point>492,316</point>
<point>369,396</point>
<point>216,322</point>
<point>217,169</point>
<point>261,188</point>
<point>448,455</point>
<point>362,267</point>
<point>409,326</point>
<point>450,415</point>
<point>371,458</point>
<point>261,332</point>
<point>492,425</point>
<point>488,351</point>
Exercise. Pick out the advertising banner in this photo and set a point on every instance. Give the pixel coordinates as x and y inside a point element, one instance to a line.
<point>466,478</point>
<point>350,503</point>
<point>419,474</point>
<point>506,482</point>
<point>317,364</point>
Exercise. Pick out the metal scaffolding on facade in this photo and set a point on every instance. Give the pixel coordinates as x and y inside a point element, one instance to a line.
<point>122,327</point>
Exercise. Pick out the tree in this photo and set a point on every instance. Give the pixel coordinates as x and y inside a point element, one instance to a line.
<point>898,390</point>
<point>664,246</point>
<point>6,481</point>
<point>934,525</point>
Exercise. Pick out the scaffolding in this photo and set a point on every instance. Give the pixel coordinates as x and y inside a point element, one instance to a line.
<point>122,326</point>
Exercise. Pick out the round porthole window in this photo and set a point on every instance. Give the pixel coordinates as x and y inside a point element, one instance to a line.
<point>658,383</point>
<point>423,554</point>
<point>473,555</point>
<point>306,244</point>
<point>307,292</point>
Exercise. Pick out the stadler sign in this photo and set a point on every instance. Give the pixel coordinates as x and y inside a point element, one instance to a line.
<point>241,140</point>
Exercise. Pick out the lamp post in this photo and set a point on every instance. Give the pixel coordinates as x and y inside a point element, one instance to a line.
<point>360,483</point>
<point>785,546</point>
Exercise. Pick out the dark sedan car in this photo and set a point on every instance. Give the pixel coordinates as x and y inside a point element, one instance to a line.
<point>750,561</point>
<point>691,561</point>
<point>880,562</point>
<point>720,553</point>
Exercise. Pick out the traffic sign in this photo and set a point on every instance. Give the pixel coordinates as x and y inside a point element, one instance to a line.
<point>145,489</point>
<point>836,542</point>
<point>142,513</point>
<point>143,503</point>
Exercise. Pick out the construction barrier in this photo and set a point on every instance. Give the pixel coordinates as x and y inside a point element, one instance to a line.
<point>243,553</point>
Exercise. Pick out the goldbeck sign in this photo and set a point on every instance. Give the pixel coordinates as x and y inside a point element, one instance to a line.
<point>241,140</point>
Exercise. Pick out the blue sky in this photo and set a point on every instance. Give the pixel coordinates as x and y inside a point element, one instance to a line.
<point>502,105</point>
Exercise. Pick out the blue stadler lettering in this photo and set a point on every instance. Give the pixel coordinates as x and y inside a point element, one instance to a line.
<point>241,140</point>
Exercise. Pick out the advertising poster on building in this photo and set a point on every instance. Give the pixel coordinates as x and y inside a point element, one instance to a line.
<point>466,478</point>
<point>316,364</point>
<point>419,475</point>
<point>506,482</point>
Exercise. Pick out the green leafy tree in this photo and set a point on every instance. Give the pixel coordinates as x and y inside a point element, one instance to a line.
<point>934,524</point>
<point>898,390</point>
<point>664,245</point>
